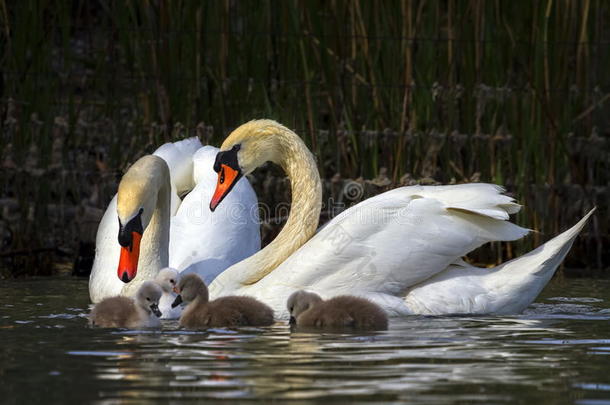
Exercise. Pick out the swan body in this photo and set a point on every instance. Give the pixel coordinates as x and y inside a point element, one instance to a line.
<point>190,225</point>
<point>401,249</point>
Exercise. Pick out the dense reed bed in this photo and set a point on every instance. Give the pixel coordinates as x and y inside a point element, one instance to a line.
<point>393,92</point>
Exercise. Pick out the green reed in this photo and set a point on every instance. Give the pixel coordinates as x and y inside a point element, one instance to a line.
<point>514,81</point>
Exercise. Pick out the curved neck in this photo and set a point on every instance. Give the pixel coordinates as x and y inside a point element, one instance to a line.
<point>300,167</point>
<point>154,250</point>
<point>154,247</point>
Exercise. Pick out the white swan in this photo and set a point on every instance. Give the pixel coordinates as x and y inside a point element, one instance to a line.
<point>401,249</point>
<point>192,240</point>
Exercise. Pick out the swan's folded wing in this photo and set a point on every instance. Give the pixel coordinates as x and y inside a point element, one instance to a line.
<point>393,241</point>
<point>505,289</point>
<point>179,159</point>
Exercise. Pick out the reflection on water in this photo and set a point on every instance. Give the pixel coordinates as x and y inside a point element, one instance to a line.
<point>557,352</point>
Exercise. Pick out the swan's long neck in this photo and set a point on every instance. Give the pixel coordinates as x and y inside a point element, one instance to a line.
<point>289,151</point>
<point>154,250</point>
<point>154,247</point>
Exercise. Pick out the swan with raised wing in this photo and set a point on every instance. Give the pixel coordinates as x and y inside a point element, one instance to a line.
<point>157,229</point>
<point>401,249</point>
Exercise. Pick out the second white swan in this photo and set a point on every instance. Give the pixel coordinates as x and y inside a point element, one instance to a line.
<point>401,249</point>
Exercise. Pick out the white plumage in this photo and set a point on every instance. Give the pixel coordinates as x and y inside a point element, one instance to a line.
<point>402,249</point>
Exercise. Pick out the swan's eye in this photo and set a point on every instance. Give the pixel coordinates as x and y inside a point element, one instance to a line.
<point>172,281</point>
<point>291,308</point>
<point>147,299</point>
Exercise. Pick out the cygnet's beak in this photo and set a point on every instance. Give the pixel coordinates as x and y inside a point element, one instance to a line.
<point>177,301</point>
<point>293,320</point>
<point>155,309</point>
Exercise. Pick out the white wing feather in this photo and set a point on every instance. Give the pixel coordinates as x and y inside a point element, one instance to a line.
<point>391,242</point>
<point>505,289</point>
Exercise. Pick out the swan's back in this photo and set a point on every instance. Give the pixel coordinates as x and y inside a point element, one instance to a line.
<point>114,312</point>
<point>344,311</point>
<point>247,311</point>
<point>231,311</point>
<point>179,159</point>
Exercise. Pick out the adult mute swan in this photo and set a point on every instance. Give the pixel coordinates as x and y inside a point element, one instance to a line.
<point>178,233</point>
<point>401,249</point>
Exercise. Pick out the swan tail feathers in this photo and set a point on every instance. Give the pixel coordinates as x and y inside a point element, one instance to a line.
<point>505,289</point>
<point>518,282</point>
<point>544,260</point>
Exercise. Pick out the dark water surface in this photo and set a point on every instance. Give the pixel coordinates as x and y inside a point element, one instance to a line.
<point>557,352</point>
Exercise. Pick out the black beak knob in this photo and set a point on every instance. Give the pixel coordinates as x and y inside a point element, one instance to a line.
<point>155,309</point>
<point>125,278</point>
<point>177,301</point>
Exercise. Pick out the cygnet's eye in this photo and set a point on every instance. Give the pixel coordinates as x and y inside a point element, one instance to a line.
<point>147,299</point>
<point>172,281</point>
<point>291,308</point>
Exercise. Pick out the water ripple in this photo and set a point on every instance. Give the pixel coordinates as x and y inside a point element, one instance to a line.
<point>556,352</point>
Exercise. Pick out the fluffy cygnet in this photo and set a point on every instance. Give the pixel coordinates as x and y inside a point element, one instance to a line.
<point>142,311</point>
<point>345,311</point>
<point>167,279</point>
<point>224,311</point>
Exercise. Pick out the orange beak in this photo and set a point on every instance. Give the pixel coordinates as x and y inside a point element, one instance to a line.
<point>128,264</point>
<point>227,178</point>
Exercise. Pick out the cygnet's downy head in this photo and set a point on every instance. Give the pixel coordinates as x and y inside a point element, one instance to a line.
<point>148,297</point>
<point>190,287</point>
<point>167,279</point>
<point>299,302</point>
